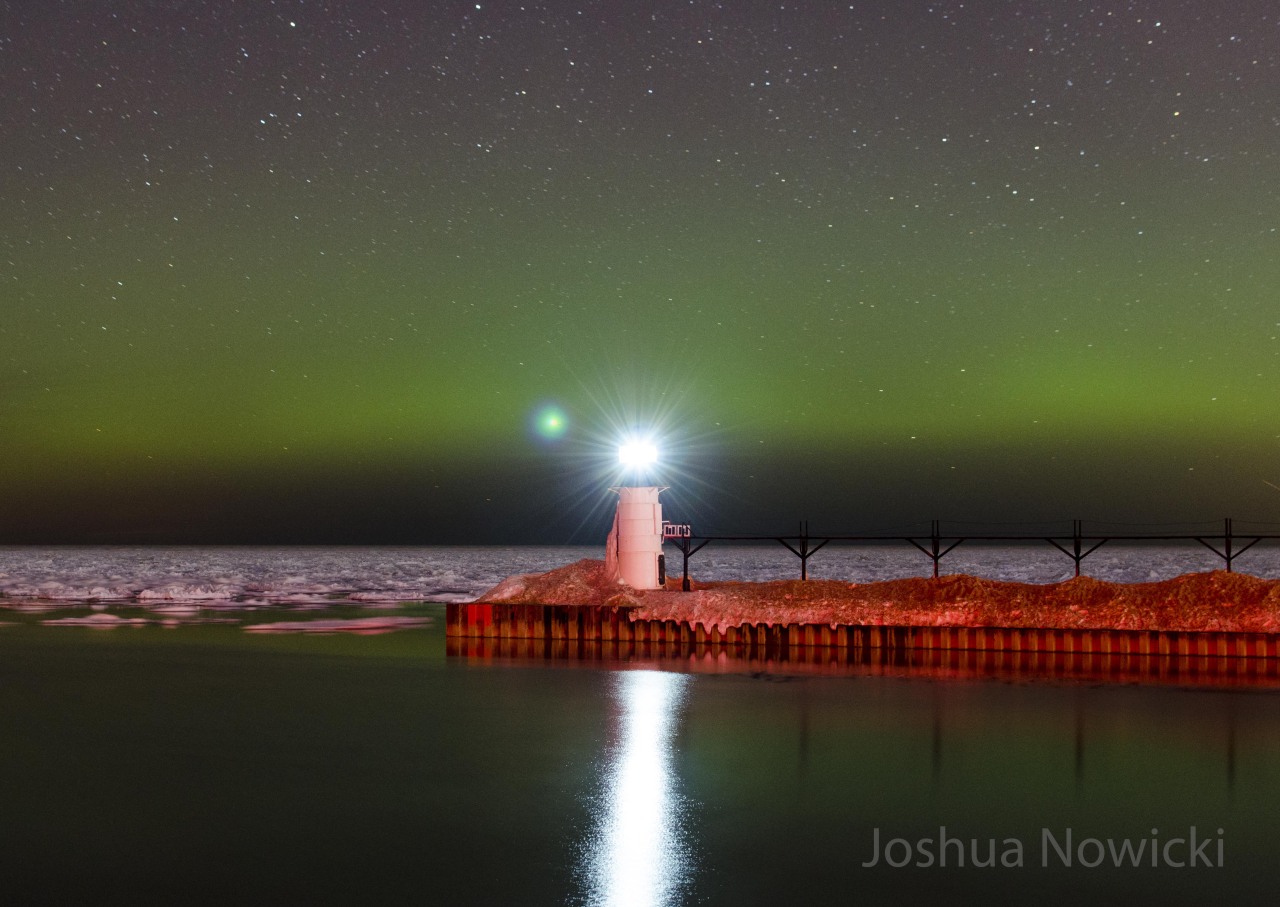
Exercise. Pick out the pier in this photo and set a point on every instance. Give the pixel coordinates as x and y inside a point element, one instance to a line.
<point>607,632</point>
<point>1228,544</point>
<point>551,615</point>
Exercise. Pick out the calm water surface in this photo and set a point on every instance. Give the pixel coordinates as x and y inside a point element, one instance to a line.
<point>204,764</point>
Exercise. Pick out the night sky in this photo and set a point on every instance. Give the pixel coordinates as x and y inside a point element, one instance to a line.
<point>403,272</point>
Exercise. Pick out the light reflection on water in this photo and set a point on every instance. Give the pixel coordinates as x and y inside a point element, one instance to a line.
<point>637,853</point>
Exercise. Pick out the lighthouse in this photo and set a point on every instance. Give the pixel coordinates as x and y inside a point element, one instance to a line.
<point>634,549</point>
<point>633,552</point>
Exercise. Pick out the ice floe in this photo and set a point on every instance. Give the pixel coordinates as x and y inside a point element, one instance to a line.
<point>358,625</point>
<point>97,621</point>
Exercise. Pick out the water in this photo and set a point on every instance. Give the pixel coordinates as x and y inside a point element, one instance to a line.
<point>186,760</point>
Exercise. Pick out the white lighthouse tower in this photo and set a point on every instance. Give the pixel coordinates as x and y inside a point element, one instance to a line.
<point>633,552</point>
<point>634,549</point>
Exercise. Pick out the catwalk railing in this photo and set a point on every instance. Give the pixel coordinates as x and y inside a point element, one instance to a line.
<point>1228,545</point>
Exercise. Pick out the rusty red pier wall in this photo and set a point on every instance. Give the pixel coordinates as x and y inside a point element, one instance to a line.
<point>608,624</point>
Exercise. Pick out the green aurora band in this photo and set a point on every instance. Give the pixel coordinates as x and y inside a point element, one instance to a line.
<point>277,276</point>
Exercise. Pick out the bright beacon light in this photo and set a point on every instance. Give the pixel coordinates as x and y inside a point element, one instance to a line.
<point>637,453</point>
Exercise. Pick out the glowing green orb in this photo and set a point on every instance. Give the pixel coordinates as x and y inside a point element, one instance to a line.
<point>551,423</point>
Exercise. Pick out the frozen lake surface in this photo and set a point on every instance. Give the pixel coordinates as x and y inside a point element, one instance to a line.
<point>262,576</point>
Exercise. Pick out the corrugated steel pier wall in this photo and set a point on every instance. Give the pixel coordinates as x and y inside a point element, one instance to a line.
<point>585,635</point>
<point>574,623</point>
<point>606,623</point>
